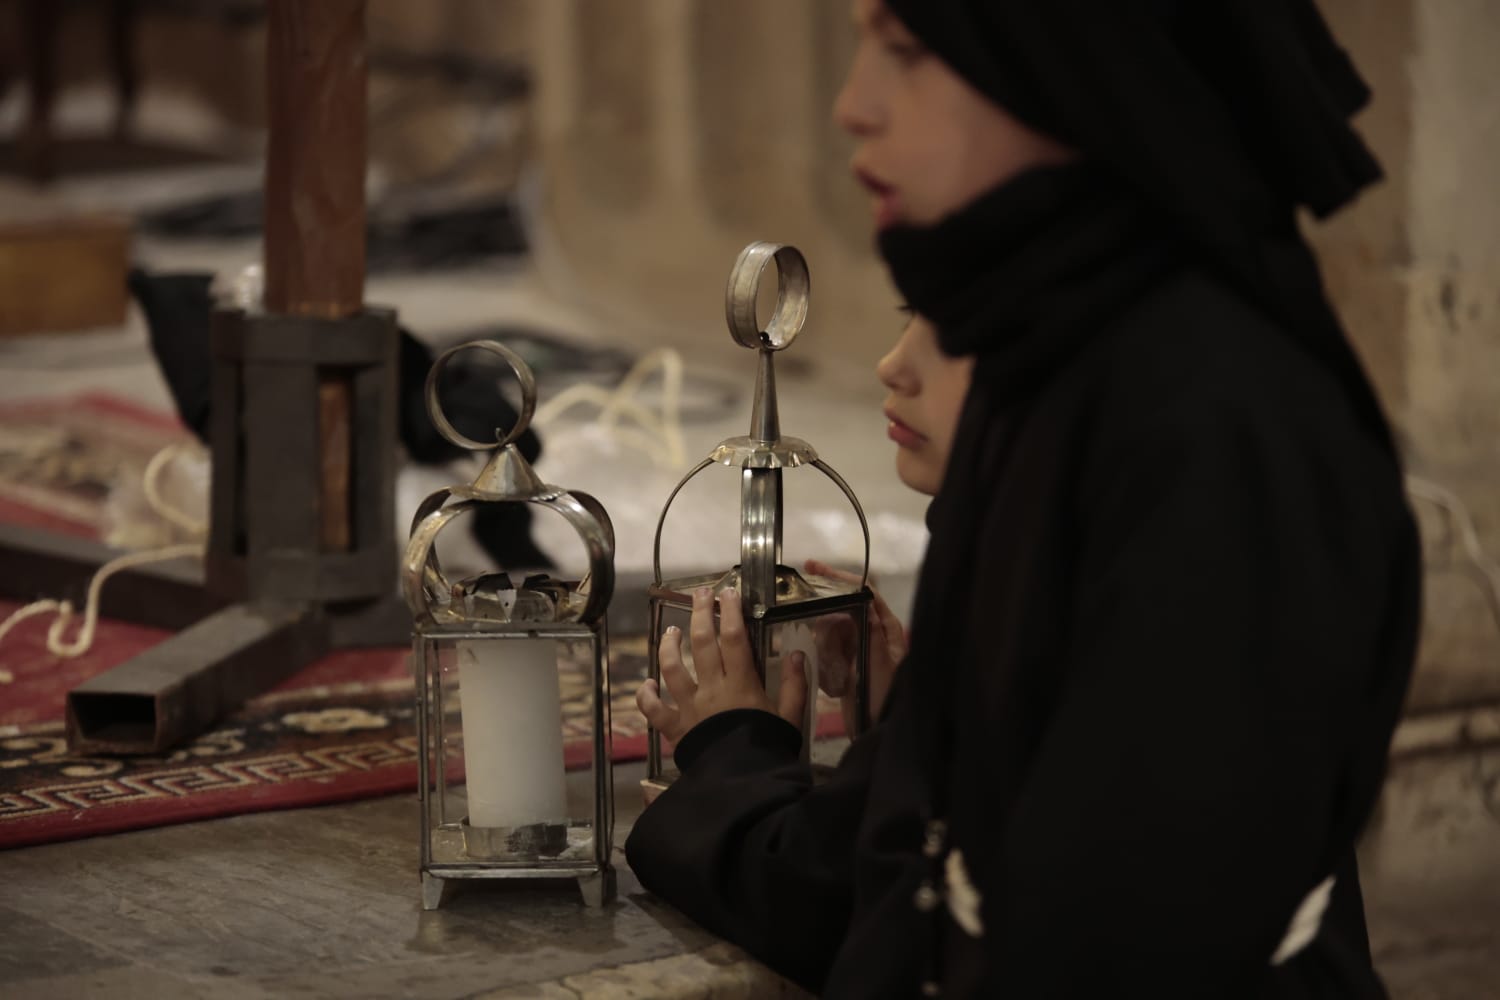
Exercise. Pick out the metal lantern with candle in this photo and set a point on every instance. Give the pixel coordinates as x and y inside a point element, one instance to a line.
<point>491,654</point>
<point>783,607</point>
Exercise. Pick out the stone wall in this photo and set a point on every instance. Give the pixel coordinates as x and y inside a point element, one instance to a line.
<point>1414,268</point>
<point>673,132</point>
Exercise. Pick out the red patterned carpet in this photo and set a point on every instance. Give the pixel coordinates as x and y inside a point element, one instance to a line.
<point>342,729</point>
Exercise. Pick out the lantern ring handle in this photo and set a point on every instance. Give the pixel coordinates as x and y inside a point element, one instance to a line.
<point>662,521</point>
<point>523,375</point>
<point>793,287</point>
<point>859,511</point>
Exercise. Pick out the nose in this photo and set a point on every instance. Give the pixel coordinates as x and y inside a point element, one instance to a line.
<point>855,109</point>
<point>894,372</point>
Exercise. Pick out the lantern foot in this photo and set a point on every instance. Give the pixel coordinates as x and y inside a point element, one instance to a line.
<point>598,889</point>
<point>433,891</point>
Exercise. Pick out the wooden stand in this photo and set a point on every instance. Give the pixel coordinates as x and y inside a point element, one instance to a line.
<point>301,592</point>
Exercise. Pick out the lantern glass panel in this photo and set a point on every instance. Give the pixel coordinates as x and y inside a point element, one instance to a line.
<point>512,754</point>
<point>785,638</point>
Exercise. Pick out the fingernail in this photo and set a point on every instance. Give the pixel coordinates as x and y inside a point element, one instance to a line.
<point>673,630</point>
<point>729,594</point>
<point>703,593</point>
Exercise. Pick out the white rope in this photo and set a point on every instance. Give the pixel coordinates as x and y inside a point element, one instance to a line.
<point>192,525</point>
<point>657,434</point>
<point>81,643</point>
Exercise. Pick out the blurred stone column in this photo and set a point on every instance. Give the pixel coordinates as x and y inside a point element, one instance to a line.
<point>1414,268</point>
<point>673,132</point>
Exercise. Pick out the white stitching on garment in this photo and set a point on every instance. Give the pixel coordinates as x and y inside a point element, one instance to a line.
<point>1305,922</point>
<point>963,899</point>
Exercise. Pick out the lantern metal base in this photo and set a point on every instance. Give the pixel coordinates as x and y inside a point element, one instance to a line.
<point>496,842</point>
<point>598,887</point>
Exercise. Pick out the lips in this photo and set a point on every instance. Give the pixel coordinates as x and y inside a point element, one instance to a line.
<point>887,207</point>
<point>901,433</point>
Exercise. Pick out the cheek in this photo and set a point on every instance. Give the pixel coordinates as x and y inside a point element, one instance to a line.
<point>952,388</point>
<point>931,160</point>
<point>919,470</point>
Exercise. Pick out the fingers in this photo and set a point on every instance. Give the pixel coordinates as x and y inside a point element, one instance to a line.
<point>705,639</point>
<point>673,672</point>
<point>895,632</point>
<point>734,640</point>
<point>662,717</point>
<point>792,699</point>
<point>834,641</point>
<point>819,568</point>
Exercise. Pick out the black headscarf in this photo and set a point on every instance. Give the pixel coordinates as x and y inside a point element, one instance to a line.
<point>1217,120</point>
<point>1201,129</point>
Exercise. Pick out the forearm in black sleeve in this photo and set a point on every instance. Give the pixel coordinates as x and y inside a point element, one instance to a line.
<point>746,845</point>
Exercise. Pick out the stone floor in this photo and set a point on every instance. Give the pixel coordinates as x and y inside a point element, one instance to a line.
<point>325,903</point>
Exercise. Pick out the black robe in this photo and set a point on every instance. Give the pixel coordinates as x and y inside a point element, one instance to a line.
<point>1179,662</point>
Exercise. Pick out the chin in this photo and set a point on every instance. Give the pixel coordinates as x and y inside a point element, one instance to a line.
<point>915,474</point>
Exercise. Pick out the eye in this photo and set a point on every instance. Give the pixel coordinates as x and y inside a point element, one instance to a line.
<point>904,51</point>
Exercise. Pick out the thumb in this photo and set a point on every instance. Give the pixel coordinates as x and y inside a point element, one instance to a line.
<point>792,698</point>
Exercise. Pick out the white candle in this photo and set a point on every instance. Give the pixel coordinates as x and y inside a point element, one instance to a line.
<point>513,747</point>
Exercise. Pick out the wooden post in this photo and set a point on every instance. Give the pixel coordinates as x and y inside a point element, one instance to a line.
<point>315,204</point>
<point>316,355</point>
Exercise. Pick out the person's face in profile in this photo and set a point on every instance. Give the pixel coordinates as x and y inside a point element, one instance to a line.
<point>928,143</point>
<point>927,389</point>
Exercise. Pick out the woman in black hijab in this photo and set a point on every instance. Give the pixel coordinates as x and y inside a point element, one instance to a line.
<point>1169,608</point>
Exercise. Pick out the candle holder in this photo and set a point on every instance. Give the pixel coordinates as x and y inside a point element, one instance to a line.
<point>489,655</point>
<point>782,605</point>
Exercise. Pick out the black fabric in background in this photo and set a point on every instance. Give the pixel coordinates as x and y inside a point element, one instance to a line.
<point>178,310</point>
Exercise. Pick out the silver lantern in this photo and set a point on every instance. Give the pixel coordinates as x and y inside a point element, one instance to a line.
<point>491,653</point>
<point>782,605</point>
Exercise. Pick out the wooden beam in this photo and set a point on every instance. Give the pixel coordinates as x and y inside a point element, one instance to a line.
<point>315,204</point>
<point>181,687</point>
